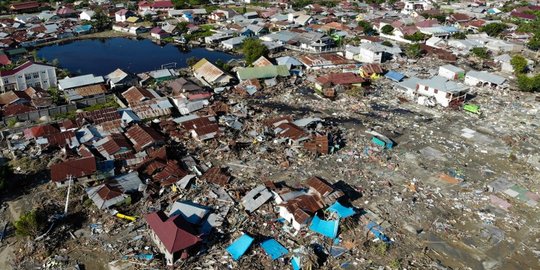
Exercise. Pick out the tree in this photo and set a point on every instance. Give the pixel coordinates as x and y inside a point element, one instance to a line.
<point>413,51</point>
<point>387,29</point>
<point>534,42</point>
<point>191,61</point>
<point>29,224</point>
<point>494,29</point>
<point>182,27</point>
<point>101,21</point>
<point>252,49</point>
<point>459,35</point>
<point>519,63</point>
<point>387,43</point>
<point>480,52</point>
<point>418,36</point>
<point>368,28</point>
<point>528,84</point>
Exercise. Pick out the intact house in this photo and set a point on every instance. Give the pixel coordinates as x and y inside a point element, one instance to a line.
<point>484,78</point>
<point>27,75</point>
<point>68,83</point>
<point>121,79</point>
<point>444,92</point>
<point>174,236</point>
<point>159,33</point>
<point>122,15</point>
<point>370,53</point>
<point>451,72</point>
<point>209,74</point>
<point>87,15</point>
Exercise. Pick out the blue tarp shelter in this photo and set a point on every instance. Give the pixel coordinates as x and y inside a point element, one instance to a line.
<point>328,228</point>
<point>376,230</point>
<point>274,249</point>
<point>394,76</point>
<point>295,262</point>
<point>240,246</point>
<point>341,210</point>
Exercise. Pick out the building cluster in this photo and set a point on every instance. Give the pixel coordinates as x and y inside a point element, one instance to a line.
<point>167,149</point>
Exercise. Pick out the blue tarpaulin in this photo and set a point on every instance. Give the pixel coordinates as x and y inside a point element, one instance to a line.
<point>328,228</point>
<point>274,249</point>
<point>341,210</point>
<point>377,231</point>
<point>295,261</point>
<point>394,76</point>
<point>240,246</point>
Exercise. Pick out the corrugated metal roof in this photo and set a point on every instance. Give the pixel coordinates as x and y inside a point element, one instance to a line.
<point>264,72</point>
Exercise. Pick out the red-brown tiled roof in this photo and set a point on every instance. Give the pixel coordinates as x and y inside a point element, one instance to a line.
<point>75,167</point>
<point>39,131</point>
<point>174,232</point>
<point>216,175</point>
<point>143,136</point>
<point>319,185</point>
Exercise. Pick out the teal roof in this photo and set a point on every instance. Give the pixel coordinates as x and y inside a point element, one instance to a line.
<point>265,72</point>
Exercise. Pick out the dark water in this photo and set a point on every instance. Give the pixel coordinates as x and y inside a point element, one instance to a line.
<point>102,56</point>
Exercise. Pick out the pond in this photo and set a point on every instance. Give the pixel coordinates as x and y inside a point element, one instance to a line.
<point>102,56</point>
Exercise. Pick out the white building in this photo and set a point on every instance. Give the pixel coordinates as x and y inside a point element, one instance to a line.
<point>87,15</point>
<point>370,52</point>
<point>27,75</point>
<point>122,15</point>
<point>442,90</point>
<point>79,81</point>
<point>483,78</point>
<point>451,72</point>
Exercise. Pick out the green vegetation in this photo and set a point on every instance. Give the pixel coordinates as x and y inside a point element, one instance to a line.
<point>519,63</point>
<point>416,37</point>
<point>413,51</point>
<point>253,49</point>
<point>387,43</point>
<point>62,116</point>
<point>29,165</point>
<point>179,4</point>
<point>534,42</point>
<point>224,66</point>
<point>182,27</point>
<point>528,84</point>
<point>191,61</point>
<point>459,35</point>
<point>494,29</point>
<point>55,95</point>
<point>395,264</point>
<point>387,29</point>
<point>204,31</point>
<point>109,104</point>
<point>11,122</point>
<point>29,224</point>
<point>368,28</point>
<point>101,21</point>
<point>480,52</point>
<point>299,4</point>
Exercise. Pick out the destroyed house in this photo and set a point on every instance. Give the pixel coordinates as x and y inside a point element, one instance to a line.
<point>114,191</point>
<point>152,108</point>
<point>174,236</point>
<point>216,175</point>
<point>338,79</point>
<point>202,128</point>
<point>143,137</point>
<point>80,169</point>
<point>114,146</point>
<point>169,174</point>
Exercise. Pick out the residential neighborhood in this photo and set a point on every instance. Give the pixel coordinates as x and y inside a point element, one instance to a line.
<point>289,134</point>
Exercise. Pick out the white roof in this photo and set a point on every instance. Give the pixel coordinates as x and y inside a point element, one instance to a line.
<point>190,211</point>
<point>79,81</point>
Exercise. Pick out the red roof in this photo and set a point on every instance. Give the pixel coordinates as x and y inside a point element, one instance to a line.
<point>525,16</point>
<point>16,70</point>
<point>98,116</point>
<point>4,60</point>
<point>24,6</point>
<point>163,4</point>
<point>143,136</point>
<point>340,78</point>
<point>174,232</point>
<point>14,109</point>
<point>39,131</point>
<point>74,167</point>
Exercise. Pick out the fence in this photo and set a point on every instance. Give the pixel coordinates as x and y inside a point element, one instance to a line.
<point>36,115</point>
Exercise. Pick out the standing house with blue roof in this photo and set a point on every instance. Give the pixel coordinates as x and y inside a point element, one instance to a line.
<point>82,29</point>
<point>240,246</point>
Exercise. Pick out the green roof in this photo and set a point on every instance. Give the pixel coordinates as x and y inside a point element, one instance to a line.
<point>16,51</point>
<point>265,72</point>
